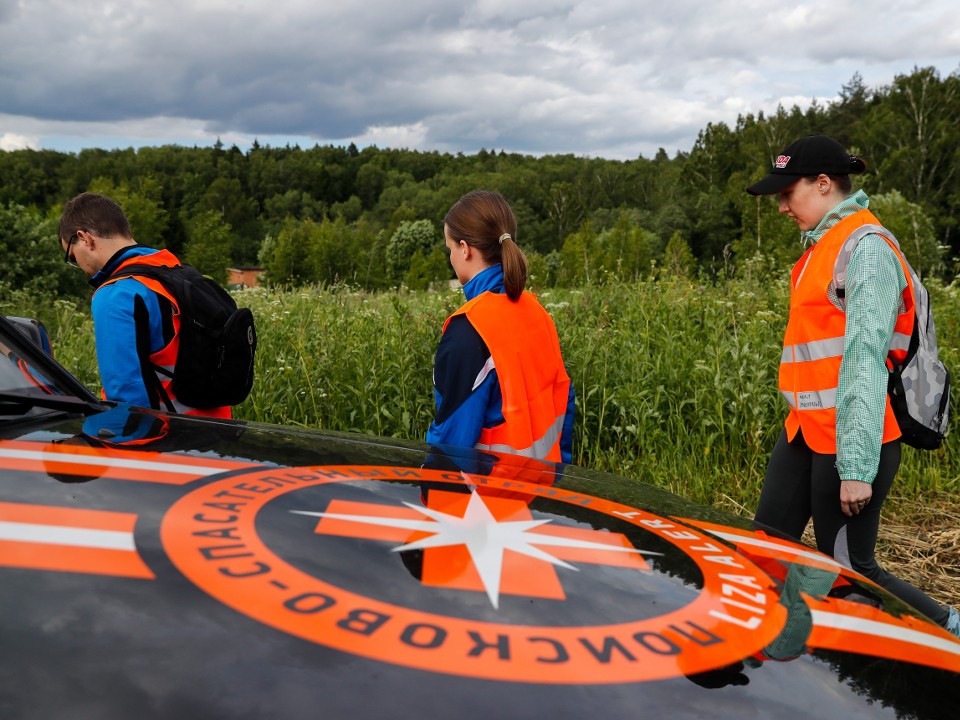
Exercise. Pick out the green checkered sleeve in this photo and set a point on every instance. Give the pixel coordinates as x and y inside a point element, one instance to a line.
<point>875,283</point>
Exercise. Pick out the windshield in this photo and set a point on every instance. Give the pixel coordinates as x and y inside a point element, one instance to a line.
<point>31,382</point>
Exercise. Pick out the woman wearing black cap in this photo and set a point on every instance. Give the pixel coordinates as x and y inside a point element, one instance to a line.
<point>839,451</point>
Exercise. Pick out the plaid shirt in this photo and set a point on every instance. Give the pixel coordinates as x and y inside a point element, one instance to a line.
<point>875,282</point>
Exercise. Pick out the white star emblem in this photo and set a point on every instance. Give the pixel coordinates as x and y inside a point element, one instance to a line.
<point>485,538</point>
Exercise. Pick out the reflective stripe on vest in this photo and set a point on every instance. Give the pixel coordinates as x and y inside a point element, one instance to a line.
<point>533,381</point>
<point>811,399</point>
<point>814,338</point>
<point>816,350</point>
<point>540,448</point>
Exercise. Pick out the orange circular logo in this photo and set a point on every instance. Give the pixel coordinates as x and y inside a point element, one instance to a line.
<point>458,574</point>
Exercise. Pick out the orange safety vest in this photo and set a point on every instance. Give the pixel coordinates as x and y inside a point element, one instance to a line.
<point>813,342</point>
<point>165,359</point>
<point>525,349</point>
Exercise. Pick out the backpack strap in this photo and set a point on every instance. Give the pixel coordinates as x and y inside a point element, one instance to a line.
<point>161,274</point>
<point>925,338</point>
<point>148,370</point>
<point>839,283</point>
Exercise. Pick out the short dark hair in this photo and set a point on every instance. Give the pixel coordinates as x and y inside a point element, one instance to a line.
<point>93,213</point>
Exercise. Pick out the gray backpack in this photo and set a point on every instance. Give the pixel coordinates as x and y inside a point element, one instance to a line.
<point>919,389</point>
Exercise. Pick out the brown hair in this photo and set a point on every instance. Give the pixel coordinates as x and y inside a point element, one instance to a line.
<point>844,182</point>
<point>95,214</point>
<point>484,220</point>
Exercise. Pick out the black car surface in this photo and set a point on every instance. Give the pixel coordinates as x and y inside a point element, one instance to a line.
<point>168,566</point>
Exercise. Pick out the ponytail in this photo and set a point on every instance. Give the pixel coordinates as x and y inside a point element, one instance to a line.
<point>514,268</point>
<point>485,221</point>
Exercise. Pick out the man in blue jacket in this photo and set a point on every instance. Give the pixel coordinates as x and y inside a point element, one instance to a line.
<point>135,319</point>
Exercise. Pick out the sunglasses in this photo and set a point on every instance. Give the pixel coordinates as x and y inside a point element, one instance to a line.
<point>66,256</point>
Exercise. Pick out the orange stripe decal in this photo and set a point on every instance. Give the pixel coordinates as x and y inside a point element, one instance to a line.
<point>69,540</point>
<point>120,464</point>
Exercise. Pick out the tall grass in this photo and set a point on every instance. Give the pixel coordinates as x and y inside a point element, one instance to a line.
<point>675,379</point>
<point>346,360</point>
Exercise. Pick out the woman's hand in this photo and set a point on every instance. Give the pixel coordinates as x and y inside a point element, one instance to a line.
<point>854,496</point>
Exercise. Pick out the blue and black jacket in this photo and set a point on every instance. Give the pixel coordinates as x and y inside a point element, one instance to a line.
<point>466,386</point>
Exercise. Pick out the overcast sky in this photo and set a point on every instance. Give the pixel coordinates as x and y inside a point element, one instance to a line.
<point>608,78</point>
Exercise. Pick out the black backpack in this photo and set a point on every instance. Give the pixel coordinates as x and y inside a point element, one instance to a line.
<point>218,340</point>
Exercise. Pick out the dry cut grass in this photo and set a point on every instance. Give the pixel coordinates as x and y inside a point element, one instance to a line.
<point>920,542</point>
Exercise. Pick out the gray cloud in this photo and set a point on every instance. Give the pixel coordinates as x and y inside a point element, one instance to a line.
<point>604,77</point>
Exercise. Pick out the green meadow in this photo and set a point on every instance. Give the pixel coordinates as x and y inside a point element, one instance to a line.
<point>675,379</point>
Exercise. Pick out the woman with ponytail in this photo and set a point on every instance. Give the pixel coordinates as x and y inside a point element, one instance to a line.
<point>498,375</point>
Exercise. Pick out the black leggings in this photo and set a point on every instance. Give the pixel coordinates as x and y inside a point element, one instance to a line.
<point>801,484</point>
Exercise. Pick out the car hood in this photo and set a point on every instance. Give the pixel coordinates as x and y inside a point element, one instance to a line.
<point>169,566</point>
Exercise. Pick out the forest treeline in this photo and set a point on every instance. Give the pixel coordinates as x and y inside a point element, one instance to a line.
<point>372,217</point>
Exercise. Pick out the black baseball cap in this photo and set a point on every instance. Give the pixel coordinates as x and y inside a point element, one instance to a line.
<point>811,155</point>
